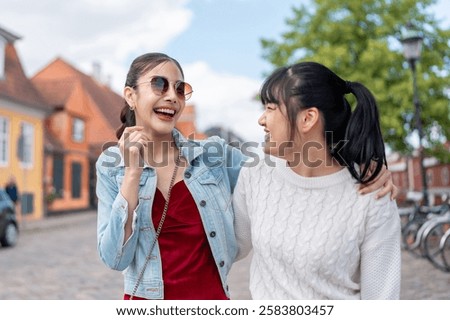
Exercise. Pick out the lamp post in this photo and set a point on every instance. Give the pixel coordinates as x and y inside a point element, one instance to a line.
<point>412,47</point>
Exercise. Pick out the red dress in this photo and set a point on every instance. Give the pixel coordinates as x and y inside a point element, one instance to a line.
<point>188,266</point>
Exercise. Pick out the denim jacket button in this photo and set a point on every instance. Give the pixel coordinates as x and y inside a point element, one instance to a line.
<point>187,175</point>
<point>222,263</point>
<point>203,203</point>
<point>212,234</point>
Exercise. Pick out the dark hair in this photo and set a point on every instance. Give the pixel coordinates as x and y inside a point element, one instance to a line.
<point>310,84</point>
<point>139,66</point>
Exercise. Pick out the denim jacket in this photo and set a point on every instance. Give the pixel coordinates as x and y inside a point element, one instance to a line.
<point>210,177</point>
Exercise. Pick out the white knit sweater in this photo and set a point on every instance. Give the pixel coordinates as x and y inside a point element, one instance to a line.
<point>315,238</point>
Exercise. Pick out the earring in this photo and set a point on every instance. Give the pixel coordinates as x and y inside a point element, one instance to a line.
<point>131,108</point>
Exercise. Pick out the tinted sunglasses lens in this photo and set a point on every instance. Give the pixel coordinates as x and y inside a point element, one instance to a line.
<point>160,85</point>
<point>184,90</point>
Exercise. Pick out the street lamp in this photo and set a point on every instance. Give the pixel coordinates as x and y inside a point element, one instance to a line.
<point>412,47</point>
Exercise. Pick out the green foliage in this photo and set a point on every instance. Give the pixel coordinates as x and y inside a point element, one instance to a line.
<point>359,41</point>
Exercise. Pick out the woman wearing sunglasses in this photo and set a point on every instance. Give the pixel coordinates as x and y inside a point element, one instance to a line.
<point>313,235</point>
<point>164,212</point>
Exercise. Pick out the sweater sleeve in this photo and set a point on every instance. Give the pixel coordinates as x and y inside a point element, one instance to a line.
<point>242,220</point>
<point>381,253</point>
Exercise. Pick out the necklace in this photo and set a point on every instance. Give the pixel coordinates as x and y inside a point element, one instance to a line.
<point>158,231</point>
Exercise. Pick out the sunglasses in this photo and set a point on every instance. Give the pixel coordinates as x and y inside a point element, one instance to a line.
<point>160,85</point>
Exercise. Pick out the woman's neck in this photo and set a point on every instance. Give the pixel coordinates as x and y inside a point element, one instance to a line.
<point>160,150</point>
<point>311,160</point>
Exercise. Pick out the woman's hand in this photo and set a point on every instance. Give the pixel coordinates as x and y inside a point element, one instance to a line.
<point>382,181</point>
<point>131,145</point>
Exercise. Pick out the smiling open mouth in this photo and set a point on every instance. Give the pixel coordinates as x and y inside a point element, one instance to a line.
<point>165,112</point>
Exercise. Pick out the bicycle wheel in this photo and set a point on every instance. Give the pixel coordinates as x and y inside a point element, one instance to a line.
<point>409,235</point>
<point>431,244</point>
<point>445,250</point>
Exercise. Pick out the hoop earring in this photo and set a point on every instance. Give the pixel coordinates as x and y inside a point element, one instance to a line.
<point>132,108</point>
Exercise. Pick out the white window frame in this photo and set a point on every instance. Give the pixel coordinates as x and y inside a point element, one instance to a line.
<point>78,128</point>
<point>5,138</point>
<point>27,132</point>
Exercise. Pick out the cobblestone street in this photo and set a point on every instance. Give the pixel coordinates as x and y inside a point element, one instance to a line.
<point>57,259</point>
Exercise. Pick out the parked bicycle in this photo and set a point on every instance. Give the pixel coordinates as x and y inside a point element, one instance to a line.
<point>425,233</point>
<point>432,239</point>
<point>419,222</point>
<point>444,247</point>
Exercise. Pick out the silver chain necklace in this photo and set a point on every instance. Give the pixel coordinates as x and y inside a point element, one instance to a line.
<point>158,231</point>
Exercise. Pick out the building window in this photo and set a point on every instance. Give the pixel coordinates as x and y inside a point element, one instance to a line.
<point>405,179</point>
<point>27,203</point>
<point>58,175</point>
<point>76,180</point>
<point>26,144</point>
<point>429,176</point>
<point>445,176</point>
<point>2,58</point>
<point>4,141</point>
<point>78,130</point>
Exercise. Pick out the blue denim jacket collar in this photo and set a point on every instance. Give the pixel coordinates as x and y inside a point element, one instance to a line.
<point>190,149</point>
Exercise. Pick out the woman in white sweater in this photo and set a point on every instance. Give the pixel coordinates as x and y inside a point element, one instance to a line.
<point>313,235</point>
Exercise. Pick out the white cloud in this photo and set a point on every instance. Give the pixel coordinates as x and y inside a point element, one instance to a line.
<point>226,100</point>
<point>84,31</point>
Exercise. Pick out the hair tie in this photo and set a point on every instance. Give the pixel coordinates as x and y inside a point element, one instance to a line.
<point>348,87</point>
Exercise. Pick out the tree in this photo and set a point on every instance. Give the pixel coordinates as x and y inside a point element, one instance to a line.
<point>359,40</point>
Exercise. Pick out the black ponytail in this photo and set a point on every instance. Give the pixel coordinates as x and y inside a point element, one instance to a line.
<point>127,118</point>
<point>363,135</point>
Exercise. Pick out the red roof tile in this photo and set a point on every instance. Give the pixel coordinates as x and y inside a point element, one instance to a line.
<point>16,86</point>
<point>55,92</point>
<point>56,82</point>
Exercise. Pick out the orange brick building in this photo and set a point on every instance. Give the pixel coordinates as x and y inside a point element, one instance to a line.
<point>85,115</point>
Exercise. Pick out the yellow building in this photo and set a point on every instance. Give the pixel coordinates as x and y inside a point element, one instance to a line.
<point>22,114</point>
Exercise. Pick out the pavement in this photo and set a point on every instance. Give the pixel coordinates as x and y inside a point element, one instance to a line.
<point>57,221</point>
<point>420,280</point>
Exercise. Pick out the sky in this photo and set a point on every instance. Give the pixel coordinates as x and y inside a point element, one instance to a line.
<point>217,43</point>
